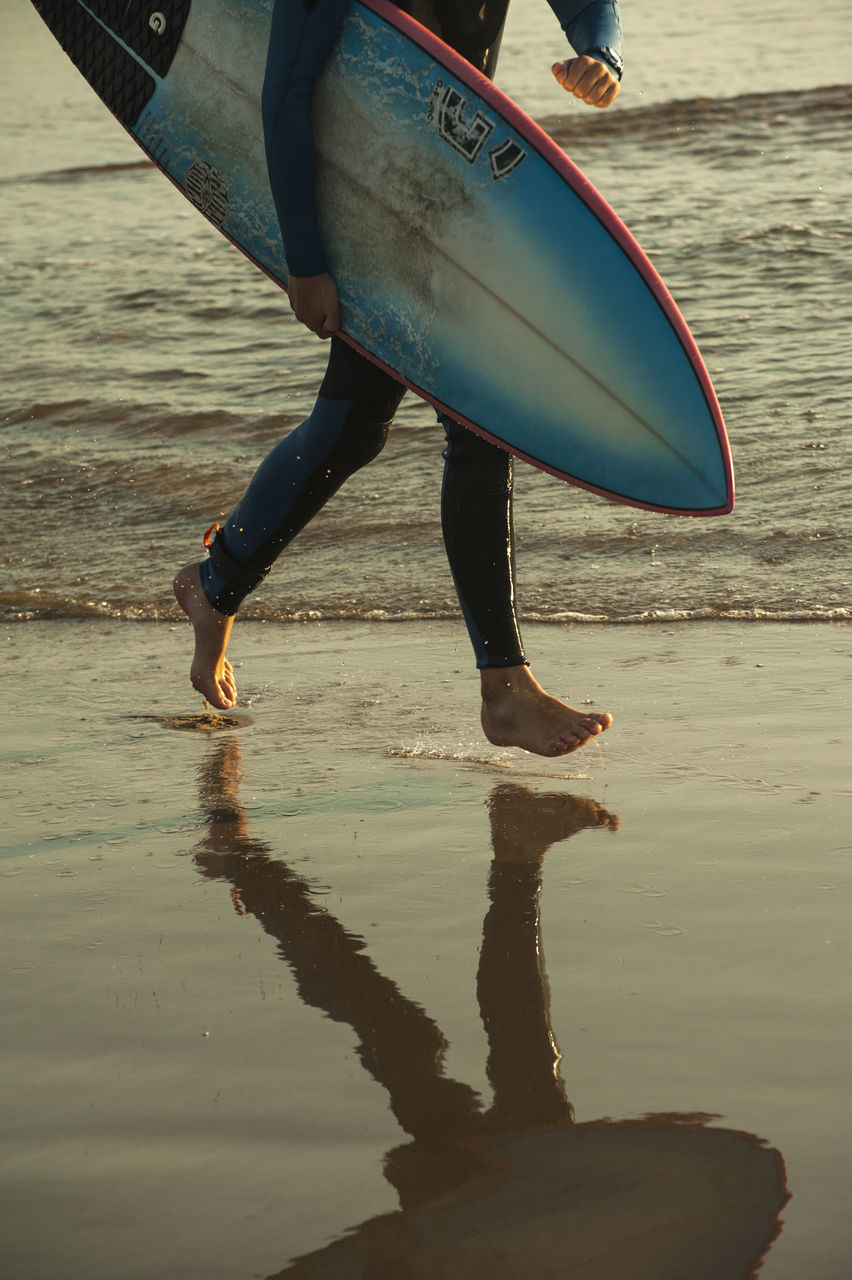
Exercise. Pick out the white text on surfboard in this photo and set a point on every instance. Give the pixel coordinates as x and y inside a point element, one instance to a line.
<point>467,138</point>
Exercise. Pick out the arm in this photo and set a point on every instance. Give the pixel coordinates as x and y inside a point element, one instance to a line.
<point>594,29</point>
<point>301,40</point>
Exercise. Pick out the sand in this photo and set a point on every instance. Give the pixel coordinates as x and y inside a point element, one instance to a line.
<point>241,1009</point>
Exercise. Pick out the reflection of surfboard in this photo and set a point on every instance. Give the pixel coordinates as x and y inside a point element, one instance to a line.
<point>473,259</point>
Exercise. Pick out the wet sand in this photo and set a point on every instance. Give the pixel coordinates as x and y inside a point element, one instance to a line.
<point>298,985</point>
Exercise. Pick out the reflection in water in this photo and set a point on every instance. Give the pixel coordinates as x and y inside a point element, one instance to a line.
<point>516,1187</point>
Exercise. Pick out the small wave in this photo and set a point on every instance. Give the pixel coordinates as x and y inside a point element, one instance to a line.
<point>117,419</point>
<point>779,231</point>
<point>42,606</point>
<point>39,412</point>
<point>79,173</point>
<point>827,110</point>
<point>816,613</point>
<point>38,605</point>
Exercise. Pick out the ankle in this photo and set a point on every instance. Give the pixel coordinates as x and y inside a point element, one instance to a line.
<point>499,682</point>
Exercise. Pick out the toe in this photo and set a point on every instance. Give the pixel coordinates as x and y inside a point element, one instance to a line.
<point>227,696</point>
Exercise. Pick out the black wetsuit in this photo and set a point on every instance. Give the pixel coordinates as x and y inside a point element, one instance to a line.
<point>357,401</point>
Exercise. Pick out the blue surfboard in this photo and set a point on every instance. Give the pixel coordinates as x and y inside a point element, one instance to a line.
<point>474,261</point>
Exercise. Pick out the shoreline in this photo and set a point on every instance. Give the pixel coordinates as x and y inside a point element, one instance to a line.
<point>258,614</point>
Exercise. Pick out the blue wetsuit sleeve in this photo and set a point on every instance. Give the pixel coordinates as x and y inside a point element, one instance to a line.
<point>301,39</point>
<point>590,25</point>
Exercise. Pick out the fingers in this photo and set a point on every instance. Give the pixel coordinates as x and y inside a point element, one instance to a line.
<point>328,319</point>
<point>315,303</point>
<point>588,79</point>
<point>320,319</point>
<point>325,326</point>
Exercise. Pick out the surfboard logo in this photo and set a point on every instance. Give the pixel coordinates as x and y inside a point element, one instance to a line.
<point>468,137</point>
<point>446,109</point>
<point>208,191</point>
<point>506,158</point>
<point>157,22</point>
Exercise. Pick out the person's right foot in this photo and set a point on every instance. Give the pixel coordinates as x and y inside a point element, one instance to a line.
<point>517,712</point>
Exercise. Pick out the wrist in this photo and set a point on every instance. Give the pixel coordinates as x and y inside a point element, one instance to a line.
<point>609,56</point>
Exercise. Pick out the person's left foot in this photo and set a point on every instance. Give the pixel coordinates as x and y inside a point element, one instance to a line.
<point>211,672</point>
<point>517,712</point>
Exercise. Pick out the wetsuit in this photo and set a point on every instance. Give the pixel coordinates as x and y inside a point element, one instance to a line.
<point>357,401</point>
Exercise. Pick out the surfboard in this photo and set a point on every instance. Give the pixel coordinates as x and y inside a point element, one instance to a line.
<point>474,260</point>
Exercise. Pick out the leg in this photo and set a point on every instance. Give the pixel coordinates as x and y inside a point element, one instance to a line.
<point>347,429</point>
<point>479,538</point>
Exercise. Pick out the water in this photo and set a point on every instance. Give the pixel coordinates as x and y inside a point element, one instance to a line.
<point>695,958</point>
<point>147,367</point>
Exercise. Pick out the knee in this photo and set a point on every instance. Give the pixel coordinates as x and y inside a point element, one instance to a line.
<point>361,441</point>
<point>474,461</point>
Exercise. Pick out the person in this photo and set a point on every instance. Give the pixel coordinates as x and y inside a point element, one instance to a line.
<point>357,401</point>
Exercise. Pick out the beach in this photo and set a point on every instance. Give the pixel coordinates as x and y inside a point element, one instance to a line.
<point>187,1094</point>
<point>327,986</point>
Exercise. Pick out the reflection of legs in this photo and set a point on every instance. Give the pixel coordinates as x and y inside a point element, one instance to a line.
<point>523,1060</point>
<point>398,1042</point>
<point>347,429</point>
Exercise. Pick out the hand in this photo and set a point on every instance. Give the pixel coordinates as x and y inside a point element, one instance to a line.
<point>315,302</point>
<point>589,79</point>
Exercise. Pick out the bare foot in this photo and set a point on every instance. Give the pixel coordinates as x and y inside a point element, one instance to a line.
<point>211,672</point>
<point>516,712</point>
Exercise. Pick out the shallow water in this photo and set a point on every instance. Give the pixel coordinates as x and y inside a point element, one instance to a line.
<point>148,367</point>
